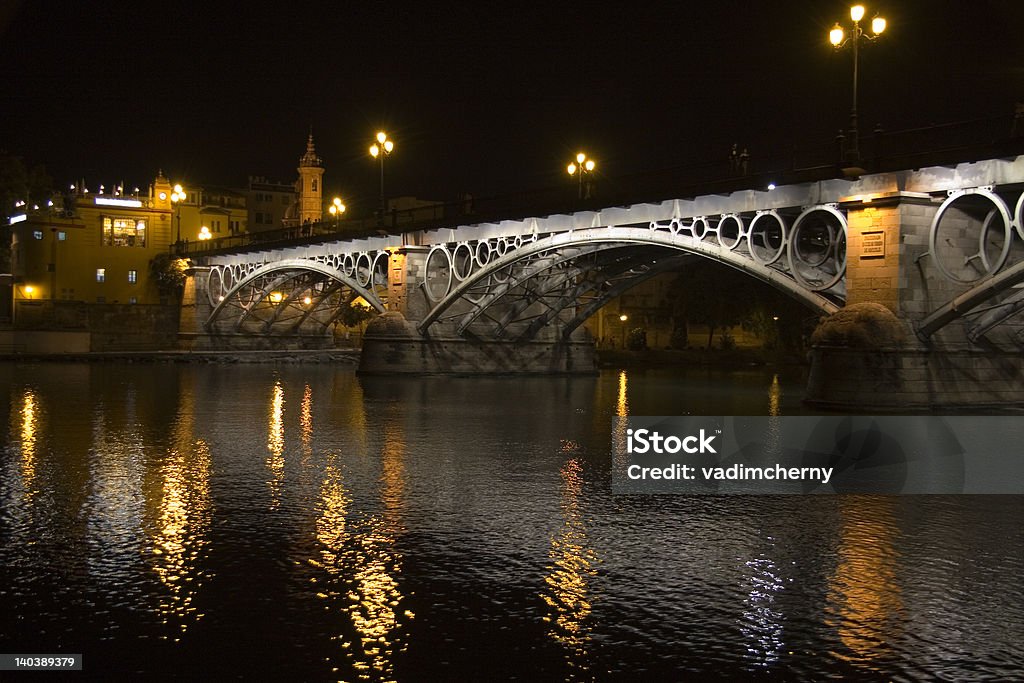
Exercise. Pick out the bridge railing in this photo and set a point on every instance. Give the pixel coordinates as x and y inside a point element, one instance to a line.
<point>813,160</point>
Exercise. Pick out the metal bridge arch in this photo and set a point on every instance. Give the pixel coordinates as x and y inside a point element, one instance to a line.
<point>304,290</point>
<point>513,288</point>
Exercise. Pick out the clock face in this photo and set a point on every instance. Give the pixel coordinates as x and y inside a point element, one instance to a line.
<point>163,196</point>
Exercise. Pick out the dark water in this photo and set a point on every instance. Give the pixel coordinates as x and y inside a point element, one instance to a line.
<point>297,521</point>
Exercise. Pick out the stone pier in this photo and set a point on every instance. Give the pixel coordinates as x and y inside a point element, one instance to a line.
<point>915,244</point>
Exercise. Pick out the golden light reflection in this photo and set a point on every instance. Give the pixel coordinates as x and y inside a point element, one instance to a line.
<point>865,602</point>
<point>773,436</point>
<point>362,565</point>
<point>275,444</point>
<point>622,404</point>
<point>774,397</point>
<point>572,567</point>
<point>29,426</point>
<point>306,422</point>
<point>179,534</point>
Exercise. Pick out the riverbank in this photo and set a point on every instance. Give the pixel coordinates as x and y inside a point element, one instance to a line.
<point>342,355</point>
<point>734,358</point>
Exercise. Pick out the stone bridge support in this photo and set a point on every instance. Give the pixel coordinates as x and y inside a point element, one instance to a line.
<point>872,354</point>
<point>393,345</point>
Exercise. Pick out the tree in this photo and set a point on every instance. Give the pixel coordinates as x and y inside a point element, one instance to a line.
<point>168,274</point>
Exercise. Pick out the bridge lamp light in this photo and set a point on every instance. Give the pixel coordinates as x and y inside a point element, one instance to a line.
<point>838,38</point>
<point>583,165</point>
<point>176,198</point>
<point>336,209</point>
<point>204,233</point>
<point>378,150</point>
<point>307,300</point>
<point>276,297</point>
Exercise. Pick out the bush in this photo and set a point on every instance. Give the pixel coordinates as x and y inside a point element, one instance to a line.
<point>637,339</point>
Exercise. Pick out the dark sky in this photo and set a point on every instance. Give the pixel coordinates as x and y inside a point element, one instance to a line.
<point>485,98</point>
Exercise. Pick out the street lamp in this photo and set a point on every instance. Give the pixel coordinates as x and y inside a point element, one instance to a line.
<point>337,208</point>
<point>378,150</point>
<point>583,165</point>
<point>176,198</point>
<point>837,36</point>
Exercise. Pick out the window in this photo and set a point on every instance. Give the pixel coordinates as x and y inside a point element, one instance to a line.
<point>123,232</point>
<point>101,275</point>
<point>37,234</point>
<point>133,276</point>
<point>61,235</point>
<point>314,185</point>
<point>132,300</point>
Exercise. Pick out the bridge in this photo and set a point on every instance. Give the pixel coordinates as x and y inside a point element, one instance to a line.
<point>932,257</point>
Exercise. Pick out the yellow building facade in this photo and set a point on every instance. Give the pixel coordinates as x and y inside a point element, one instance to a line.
<point>94,249</point>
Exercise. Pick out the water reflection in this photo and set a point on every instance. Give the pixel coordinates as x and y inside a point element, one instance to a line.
<point>571,570</point>
<point>362,565</point>
<point>306,423</point>
<point>865,603</point>
<point>179,528</point>
<point>27,461</point>
<point>275,444</point>
<point>762,624</point>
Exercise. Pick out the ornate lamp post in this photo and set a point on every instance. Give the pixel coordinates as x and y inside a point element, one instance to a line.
<point>176,198</point>
<point>337,208</point>
<point>378,150</point>
<point>582,166</point>
<point>837,36</point>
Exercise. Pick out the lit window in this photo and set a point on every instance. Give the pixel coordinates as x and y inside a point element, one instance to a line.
<point>133,276</point>
<point>101,275</point>
<point>123,232</point>
<point>314,184</point>
<point>37,234</point>
<point>132,300</point>
<point>61,235</point>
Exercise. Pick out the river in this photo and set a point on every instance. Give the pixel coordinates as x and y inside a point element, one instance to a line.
<point>272,521</point>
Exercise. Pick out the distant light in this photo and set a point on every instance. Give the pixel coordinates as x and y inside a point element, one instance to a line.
<point>771,186</point>
<point>276,297</point>
<point>35,207</point>
<point>857,12</point>
<point>17,219</point>
<point>19,203</point>
<point>623,317</point>
<point>49,202</point>
<point>72,188</point>
<point>775,318</point>
<point>204,233</point>
<point>106,201</point>
<point>307,300</point>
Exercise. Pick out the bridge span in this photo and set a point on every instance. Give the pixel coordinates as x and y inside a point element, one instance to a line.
<point>929,262</point>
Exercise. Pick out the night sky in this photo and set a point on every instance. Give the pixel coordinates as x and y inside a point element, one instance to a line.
<point>483,98</point>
